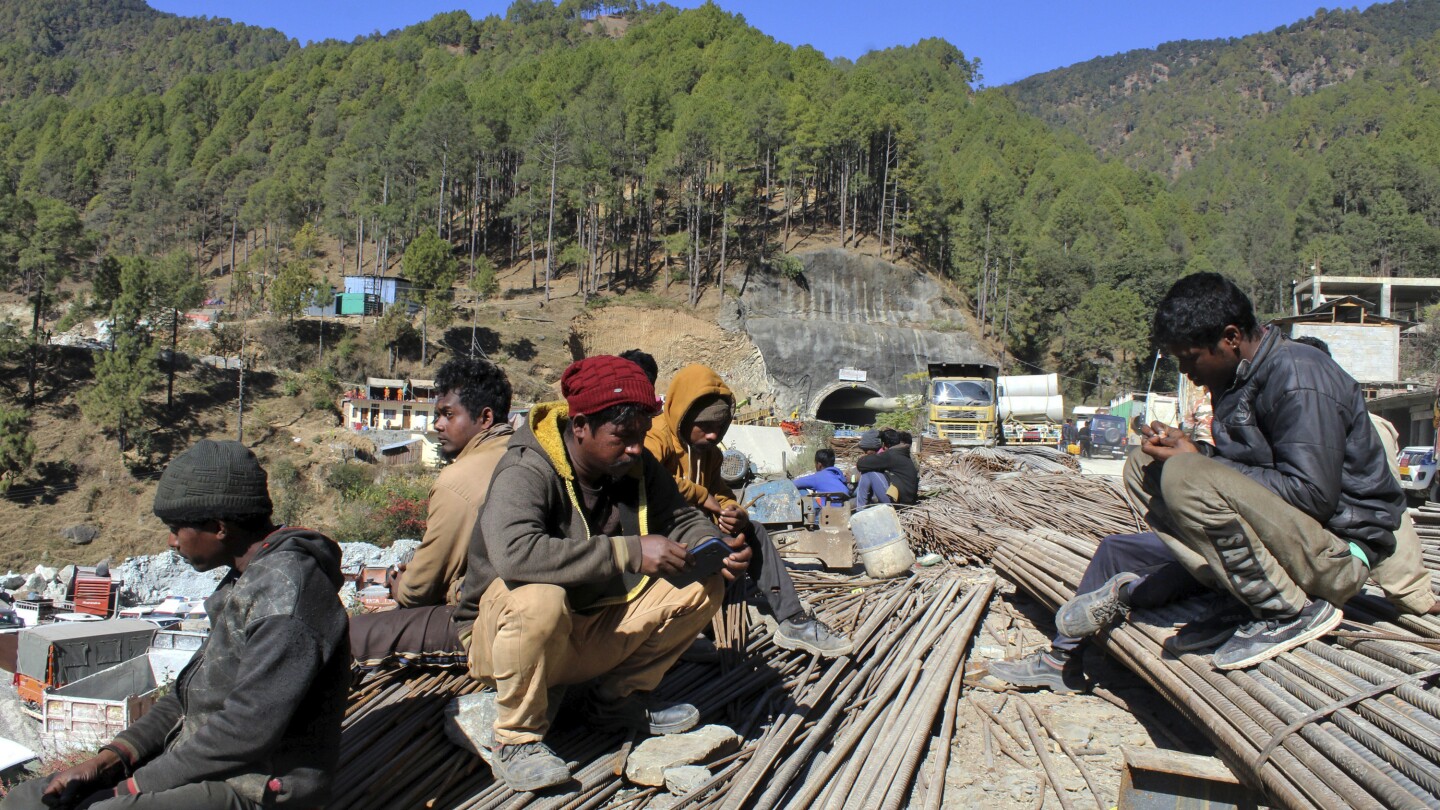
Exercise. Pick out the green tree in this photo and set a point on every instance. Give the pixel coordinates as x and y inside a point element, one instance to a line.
<point>17,449</point>
<point>430,263</point>
<point>292,289</point>
<point>1104,335</point>
<point>127,372</point>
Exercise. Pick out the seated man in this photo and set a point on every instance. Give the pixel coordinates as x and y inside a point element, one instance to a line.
<point>254,720</point>
<point>473,399</point>
<point>870,487</point>
<point>1120,576</point>
<point>684,438</point>
<point>566,579</point>
<point>827,479</point>
<point>901,476</point>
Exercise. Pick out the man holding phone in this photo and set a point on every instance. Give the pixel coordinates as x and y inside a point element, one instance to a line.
<point>568,567</point>
<point>685,438</point>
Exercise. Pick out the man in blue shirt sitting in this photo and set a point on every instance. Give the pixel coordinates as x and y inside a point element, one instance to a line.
<point>826,480</point>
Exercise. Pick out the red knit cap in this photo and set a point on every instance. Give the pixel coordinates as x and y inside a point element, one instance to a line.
<point>596,383</point>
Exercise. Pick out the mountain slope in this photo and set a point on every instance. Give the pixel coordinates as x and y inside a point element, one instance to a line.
<point>88,48</point>
<point>1162,108</point>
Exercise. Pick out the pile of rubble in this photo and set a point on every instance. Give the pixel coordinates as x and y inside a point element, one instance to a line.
<point>150,579</point>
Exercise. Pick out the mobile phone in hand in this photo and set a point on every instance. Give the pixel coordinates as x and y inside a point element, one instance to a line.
<point>706,560</point>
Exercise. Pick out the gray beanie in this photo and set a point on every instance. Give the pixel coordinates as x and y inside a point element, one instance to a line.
<point>210,481</point>
<point>870,440</point>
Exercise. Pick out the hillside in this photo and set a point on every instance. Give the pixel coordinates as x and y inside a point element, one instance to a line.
<point>560,180</point>
<point>1163,108</point>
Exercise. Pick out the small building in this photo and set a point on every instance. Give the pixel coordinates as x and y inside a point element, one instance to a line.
<point>1413,413</point>
<point>390,404</point>
<point>388,289</point>
<point>1394,297</point>
<point>1366,344</point>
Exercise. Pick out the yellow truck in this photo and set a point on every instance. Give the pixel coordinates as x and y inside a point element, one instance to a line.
<point>961,403</point>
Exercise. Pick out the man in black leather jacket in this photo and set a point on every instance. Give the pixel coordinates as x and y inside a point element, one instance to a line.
<point>1291,506</point>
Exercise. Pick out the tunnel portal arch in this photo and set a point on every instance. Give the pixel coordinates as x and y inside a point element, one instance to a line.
<point>844,403</point>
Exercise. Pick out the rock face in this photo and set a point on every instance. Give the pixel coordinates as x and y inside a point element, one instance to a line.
<point>850,311</point>
<point>650,759</point>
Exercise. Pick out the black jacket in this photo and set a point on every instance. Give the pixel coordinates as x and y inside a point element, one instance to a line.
<point>899,469</point>
<point>260,704</point>
<point>1295,422</point>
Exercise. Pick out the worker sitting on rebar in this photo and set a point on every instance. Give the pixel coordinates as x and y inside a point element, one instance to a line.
<point>891,467</point>
<point>1136,571</point>
<point>685,439</point>
<point>1291,507</point>
<point>473,401</point>
<point>570,576</point>
<point>254,719</point>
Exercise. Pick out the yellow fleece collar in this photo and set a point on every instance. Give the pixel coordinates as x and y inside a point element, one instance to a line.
<point>546,422</point>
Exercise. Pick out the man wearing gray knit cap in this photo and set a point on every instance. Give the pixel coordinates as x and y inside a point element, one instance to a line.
<point>254,720</point>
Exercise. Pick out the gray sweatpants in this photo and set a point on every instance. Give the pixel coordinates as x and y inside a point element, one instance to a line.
<point>199,796</point>
<point>1233,534</point>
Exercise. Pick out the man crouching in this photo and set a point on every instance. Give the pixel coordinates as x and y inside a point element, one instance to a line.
<point>254,718</point>
<point>566,581</point>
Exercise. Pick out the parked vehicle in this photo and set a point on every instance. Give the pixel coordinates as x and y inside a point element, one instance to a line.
<point>1417,474</point>
<point>56,654</point>
<point>93,709</point>
<point>1108,436</point>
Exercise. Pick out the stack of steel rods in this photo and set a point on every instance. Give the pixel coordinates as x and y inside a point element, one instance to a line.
<point>959,518</point>
<point>1350,721</point>
<point>395,754</point>
<point>1427,526</point>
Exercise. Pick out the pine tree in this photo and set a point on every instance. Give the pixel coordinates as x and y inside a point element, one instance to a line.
<point>17,449</point>
<point>127,372</point>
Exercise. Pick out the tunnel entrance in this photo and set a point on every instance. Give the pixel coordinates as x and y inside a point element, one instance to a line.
<point>846,406</point>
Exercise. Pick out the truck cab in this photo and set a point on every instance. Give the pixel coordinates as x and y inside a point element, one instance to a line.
<point>961,403</point>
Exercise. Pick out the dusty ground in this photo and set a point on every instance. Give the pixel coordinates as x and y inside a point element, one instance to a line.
<point>1112,467</point>
<point>1096,730</point>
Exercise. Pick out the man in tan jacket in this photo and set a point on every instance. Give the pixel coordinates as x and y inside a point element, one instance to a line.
<point>470,418</point>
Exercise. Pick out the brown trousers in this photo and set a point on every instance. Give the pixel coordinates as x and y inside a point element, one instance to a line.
<point>1233,534</point>
<point>527,639</point>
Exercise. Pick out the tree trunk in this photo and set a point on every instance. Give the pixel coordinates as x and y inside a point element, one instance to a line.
<point>550,226</point>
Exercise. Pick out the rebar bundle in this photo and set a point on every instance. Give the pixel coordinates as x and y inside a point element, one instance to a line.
<point>966,510</point>
<point>1349,721</point>
<point>788,706</point>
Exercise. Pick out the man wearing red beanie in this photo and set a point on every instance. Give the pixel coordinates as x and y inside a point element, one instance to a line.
<point>566,582</point>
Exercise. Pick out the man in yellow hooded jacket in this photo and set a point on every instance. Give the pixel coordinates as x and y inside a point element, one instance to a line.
<point>685,439</point>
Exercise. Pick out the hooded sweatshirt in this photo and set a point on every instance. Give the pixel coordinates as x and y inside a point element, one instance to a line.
<point>534,529</point>
<point>259,706</point>
<point>696,469</point>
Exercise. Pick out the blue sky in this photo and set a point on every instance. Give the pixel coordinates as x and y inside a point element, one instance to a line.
<point>1012,39</point>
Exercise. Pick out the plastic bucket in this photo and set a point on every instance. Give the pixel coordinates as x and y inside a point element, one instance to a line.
<point>880,541</point>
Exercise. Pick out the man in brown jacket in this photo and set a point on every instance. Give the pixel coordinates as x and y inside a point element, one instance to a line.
<point>470,417</point>
<point>574,575</point>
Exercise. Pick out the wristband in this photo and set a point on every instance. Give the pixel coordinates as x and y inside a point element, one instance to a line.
<point>120,755</point>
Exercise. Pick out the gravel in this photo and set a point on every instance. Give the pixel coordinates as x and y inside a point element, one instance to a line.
<point>152,578</point>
